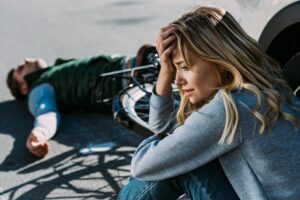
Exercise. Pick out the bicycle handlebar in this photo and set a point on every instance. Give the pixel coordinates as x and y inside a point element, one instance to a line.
<point>127,70</point>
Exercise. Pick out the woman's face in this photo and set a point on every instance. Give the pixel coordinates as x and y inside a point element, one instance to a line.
<point>197,82</point>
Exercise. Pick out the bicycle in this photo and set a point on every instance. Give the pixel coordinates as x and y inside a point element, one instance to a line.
<point>131,107</point>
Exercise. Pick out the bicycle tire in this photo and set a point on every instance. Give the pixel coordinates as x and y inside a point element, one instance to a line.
<point>131,108</point>
<point>124,109</point>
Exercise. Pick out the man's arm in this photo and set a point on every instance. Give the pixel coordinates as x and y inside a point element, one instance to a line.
<point>42,105</point>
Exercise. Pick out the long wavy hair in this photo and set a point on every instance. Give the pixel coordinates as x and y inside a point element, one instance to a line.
<point>214,36</point>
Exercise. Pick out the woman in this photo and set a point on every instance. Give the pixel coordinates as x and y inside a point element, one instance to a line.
<point>236,131</point>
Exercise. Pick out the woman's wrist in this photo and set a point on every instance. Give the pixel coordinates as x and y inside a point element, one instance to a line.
<point>164,84</point>
<point>166,72</point>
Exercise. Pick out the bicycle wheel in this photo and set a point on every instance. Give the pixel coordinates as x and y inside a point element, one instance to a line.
<point>131,108</point>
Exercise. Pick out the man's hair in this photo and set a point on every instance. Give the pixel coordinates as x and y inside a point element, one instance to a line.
<point>13,86</point>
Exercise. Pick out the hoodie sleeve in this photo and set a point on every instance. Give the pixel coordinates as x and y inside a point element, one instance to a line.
<point>42,105</point>
<point>189,146</point>
<point>162,114</point>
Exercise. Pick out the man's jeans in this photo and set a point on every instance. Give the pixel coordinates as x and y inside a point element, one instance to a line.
<point>206,182</point>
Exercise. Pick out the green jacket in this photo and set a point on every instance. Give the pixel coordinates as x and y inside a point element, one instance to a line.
<point>78,85</point>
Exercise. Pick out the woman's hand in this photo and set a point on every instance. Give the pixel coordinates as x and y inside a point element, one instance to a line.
<point>165,44</point>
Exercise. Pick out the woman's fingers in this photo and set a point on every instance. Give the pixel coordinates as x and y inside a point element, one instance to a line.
<point>165,56</point>
<point>164,44</point>
<point>167,42</point>
<point>167,27</point>
<point>167,33</point>
<point>164,33</point>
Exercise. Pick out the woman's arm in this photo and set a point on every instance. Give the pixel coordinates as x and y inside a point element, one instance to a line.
<point>190,146</point>
<point>161,102</point>
<point>162,116</point>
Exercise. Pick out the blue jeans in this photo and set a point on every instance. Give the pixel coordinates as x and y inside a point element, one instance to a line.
<point>203,183</point>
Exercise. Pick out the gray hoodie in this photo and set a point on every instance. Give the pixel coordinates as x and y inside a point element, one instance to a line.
<point>258,166</point>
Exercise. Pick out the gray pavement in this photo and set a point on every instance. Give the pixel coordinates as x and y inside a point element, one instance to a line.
<point>71,29</point>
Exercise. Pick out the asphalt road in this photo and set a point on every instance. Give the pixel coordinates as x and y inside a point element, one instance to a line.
<point>71,29</point>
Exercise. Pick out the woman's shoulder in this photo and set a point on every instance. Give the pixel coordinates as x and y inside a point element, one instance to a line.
<point>249,99</point>
<point>242,95</point>
<point>245,97</point>
<point>217,101</point>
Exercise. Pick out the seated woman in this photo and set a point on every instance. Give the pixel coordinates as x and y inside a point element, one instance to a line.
<point>235,134</point>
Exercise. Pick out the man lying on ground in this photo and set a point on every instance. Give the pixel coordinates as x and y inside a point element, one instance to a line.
<point>68,86</point>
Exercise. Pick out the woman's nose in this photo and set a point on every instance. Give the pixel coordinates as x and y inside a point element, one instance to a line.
<point>179,79</point>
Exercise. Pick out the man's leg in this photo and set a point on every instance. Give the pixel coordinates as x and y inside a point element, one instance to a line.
<point>144,190</point>
<point>207,182</point>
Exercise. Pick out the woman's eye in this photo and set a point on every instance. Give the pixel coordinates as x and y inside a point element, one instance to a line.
<point>184,68</point>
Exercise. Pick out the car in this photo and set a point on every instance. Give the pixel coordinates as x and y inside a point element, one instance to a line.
<point>275,24</point>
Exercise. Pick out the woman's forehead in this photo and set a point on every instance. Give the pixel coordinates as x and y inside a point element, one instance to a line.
<point>176,57</point>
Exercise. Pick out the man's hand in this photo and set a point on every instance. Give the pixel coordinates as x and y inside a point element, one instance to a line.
<point>37,144</point>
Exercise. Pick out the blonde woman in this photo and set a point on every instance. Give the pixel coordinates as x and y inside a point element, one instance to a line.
<point>235,134</point>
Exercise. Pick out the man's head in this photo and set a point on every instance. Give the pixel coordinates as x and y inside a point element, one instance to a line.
<point>15,78</point>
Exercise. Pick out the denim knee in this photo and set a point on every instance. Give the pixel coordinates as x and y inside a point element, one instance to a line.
<point>208,182</point>
<point>148,190</point>
<point>135,189</point>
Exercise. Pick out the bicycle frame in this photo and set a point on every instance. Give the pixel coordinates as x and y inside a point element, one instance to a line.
<point>132,70</point>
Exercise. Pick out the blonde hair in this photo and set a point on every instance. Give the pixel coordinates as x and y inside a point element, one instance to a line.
<point>215,36</point>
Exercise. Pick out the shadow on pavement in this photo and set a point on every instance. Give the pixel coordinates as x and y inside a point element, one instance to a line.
<point>66,173</point>
<point>16,122</point>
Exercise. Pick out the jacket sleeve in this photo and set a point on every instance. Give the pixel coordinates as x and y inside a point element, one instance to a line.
<point>162,113</point>
<point>190,146</point>
<point>42,105</point>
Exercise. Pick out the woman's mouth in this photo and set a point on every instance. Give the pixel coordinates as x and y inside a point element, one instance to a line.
<point>188,92</point>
